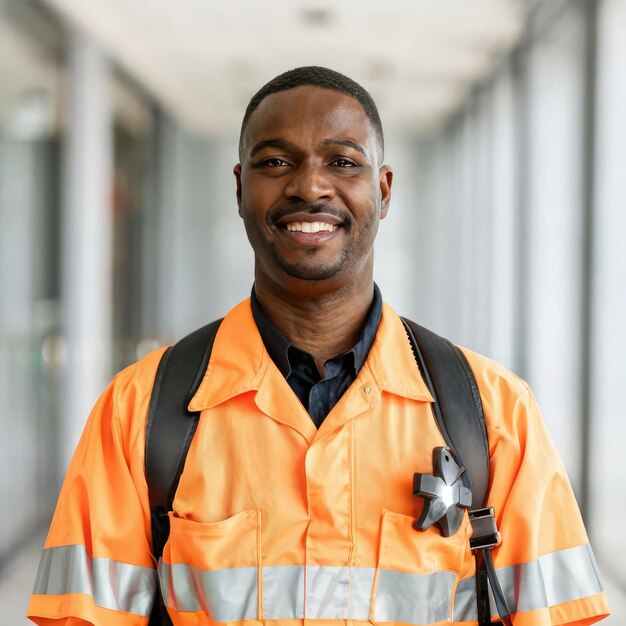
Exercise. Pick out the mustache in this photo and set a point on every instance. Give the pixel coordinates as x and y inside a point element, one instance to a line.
<point>312,209</point>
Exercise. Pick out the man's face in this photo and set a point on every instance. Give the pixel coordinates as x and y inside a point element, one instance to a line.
<point>309,186</point>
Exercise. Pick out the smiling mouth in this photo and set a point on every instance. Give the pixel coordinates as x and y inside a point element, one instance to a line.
<point>310,227</point>
<point>306,222</point>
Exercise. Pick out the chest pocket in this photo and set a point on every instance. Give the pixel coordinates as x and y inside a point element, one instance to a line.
<point>417,572</point>
<point>213,569</point>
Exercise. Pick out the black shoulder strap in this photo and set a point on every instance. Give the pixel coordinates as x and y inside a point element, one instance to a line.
<point>459,415</point>
<point>170,426</point>
<point>458,409</point>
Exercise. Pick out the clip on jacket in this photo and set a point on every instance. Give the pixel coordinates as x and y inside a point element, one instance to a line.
<point>445,495</point>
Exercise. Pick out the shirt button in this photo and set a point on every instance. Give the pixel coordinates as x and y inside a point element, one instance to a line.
<point>367,389</point>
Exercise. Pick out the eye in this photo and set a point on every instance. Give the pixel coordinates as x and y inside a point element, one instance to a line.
<point>343,162</point>
<point>273,162</point>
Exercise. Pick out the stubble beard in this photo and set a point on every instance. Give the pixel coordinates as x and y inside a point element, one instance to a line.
<point>313,271</point>
<point>347,260</point>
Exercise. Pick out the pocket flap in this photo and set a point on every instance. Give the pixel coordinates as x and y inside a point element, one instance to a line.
<point>233,542</point>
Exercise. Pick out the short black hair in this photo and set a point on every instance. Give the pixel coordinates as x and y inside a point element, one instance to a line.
<point>318,77</point>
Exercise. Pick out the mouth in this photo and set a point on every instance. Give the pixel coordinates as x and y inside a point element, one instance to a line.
<point>309,228</point>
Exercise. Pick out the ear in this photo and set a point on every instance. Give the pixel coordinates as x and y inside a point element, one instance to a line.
<point>237,173</point>
<point>385,178</point>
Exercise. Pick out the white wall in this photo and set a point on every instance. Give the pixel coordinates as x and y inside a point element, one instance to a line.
<point>608,354</point>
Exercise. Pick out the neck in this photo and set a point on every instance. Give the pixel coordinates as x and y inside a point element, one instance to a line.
<point>321,319</point>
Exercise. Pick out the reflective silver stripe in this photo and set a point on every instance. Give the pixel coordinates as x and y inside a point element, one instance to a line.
<point>573,574</point>
<point>231,594</point>
<point>283,592</point>
<point>227,595</point>
<point>339,592</point>
<point>552,579</point>
<point>331,593</point>
<point>361,587</point>
<point>113,585</point>
<point>465,601</point>
<point>413,598</point>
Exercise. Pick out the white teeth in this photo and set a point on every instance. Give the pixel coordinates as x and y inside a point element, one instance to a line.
<point>311,227</point>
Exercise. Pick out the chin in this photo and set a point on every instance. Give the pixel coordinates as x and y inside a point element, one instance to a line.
<point>304,271</point>
<point>313,270</point>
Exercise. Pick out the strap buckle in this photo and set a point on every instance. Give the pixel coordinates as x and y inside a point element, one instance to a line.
<point>485,530</point>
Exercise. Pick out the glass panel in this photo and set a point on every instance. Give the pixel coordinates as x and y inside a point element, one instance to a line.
<point>30,348</point>
<point>134,224</point>
<point>505,239</point>
<point>554,226</point>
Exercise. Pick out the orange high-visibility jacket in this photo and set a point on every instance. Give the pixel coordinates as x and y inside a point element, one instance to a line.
<point>278,522</point>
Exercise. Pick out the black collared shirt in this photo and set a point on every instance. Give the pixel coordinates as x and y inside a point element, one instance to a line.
<point>318,395</point>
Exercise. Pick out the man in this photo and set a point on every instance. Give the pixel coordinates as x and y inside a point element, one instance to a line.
<point>296,501</point>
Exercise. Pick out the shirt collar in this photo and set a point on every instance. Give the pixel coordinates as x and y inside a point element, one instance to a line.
<point>278,347</point>
<point>239,361</point>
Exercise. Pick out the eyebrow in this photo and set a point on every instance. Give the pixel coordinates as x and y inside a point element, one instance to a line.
<point>336,141</point>
<point>286,145</point>
<point>271,143</point>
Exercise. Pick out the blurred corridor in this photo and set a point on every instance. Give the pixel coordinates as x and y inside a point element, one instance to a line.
<point>506,129</point>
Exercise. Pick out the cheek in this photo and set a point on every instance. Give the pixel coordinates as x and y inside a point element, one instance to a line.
<point>253,230</point>
<point>253,222</point>
<point>363,190</point>
<point>254,213</point>
<point>366,203</point>
<point>256,198</point>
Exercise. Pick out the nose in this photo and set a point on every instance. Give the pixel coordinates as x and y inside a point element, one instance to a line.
<point>309,183</point>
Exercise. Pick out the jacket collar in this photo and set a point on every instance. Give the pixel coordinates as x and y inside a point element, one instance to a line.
<point>239,361</point>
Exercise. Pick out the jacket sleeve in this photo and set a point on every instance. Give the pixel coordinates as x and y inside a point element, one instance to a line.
<point>545,564</point>
<point>96,567</point>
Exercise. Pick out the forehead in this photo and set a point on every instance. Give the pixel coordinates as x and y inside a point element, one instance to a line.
<point>309,114</point>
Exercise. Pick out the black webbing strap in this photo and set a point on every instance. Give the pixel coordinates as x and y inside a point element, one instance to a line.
<point>170,428</point>
<point>498,595</point>
<point>460,418</point>
<point>457,408</point>
<point>482,590</point>
<point>485,537</point>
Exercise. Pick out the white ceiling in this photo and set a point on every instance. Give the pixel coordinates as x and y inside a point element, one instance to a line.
<point>203,60</point>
